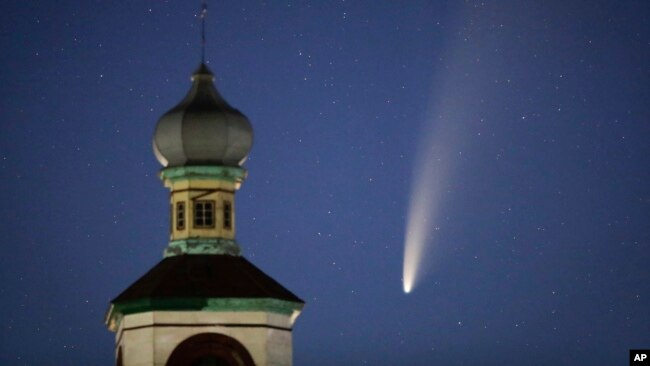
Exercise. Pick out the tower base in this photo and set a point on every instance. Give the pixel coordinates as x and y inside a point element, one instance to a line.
<point>161,338</point>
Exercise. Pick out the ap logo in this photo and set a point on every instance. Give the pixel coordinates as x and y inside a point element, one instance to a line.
<point>639,357</point>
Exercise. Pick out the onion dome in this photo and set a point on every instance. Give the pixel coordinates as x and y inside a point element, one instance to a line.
<point>203,129</point>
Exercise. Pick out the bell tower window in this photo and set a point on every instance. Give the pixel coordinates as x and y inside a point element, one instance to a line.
<point>204,214</point>
<point>180,216</point>
<point>227,215</point>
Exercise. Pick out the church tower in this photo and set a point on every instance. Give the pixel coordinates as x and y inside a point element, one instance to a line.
<point>203,304</point>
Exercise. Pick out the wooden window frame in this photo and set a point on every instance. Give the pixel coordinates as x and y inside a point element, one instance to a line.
<point>227,215</point>
<point>181,216</point>
<point>195,210</point>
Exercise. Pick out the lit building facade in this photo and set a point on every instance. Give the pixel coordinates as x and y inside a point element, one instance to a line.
<point>203,304</point>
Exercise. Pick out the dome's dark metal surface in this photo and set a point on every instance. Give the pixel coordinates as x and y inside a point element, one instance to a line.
<point>203,129</point>
<point>206,276</point>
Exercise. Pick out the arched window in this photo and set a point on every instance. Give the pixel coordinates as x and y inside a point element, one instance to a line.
<point>210,349</point>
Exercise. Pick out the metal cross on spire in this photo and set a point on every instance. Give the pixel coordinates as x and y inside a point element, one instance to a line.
<point>202,15</point>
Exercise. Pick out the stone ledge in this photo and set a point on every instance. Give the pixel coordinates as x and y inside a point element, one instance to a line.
<point>202,246</point>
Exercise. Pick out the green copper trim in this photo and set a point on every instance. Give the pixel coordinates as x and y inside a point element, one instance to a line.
<point>242,304</point>
<point>202,246</point>
<point>118,310</point>
<point>231,174</point>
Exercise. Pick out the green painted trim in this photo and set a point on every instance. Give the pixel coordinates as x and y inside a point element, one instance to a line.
<point>117,311</point>
<point>202,246</point>
<point>203,172</point>
<point>242,304</point>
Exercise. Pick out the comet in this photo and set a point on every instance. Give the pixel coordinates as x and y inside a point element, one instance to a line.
<point>455,100</point>
<point>455,113</point>
<point>429,176</point>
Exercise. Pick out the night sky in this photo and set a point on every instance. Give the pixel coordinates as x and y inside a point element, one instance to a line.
<point>541,248</point>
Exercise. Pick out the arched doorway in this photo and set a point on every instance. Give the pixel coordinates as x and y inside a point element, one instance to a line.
<point>210,361</point>
<point>210,349</point>
<point>118,361</point>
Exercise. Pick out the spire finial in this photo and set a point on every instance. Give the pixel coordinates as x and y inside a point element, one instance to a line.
<point>204,13</point>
